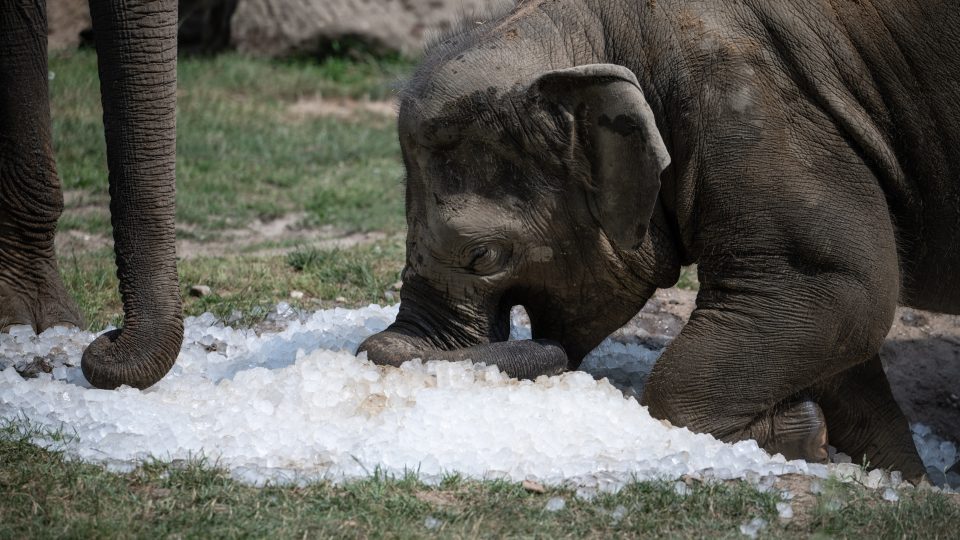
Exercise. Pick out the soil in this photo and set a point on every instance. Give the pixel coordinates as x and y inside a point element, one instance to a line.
<point>271,237</point>
<point>922,360</point>
<point>260,237</point>
<point>921,355</point>
<point>343,108</point>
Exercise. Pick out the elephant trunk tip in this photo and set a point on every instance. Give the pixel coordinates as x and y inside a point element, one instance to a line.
<point>118,358</point>
<point>389,349</point>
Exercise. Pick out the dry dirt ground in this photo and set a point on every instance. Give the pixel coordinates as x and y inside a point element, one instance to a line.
<point>342,108</point>
<point>263,238</point>
<point>921,355</point>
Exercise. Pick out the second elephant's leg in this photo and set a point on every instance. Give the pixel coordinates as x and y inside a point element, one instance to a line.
<point>865,422</point>
<point>31,291</point>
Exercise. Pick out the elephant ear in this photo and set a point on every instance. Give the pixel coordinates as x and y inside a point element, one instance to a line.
<point>614,141</point>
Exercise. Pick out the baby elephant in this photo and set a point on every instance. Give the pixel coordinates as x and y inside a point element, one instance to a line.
<point>571,155</point>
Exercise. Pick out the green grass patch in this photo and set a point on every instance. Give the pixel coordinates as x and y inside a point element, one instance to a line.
<point>846,510</point>
<point>91,280</point>
<point>242,151</point>
<point>688,278</point>
<point>245,287</point>
<point>45,495</point>
<point>245,153</point>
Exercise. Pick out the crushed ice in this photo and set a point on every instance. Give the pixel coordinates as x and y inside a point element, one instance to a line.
<point>555,504</point>
<point>753,527</point>
<point>292,403</point>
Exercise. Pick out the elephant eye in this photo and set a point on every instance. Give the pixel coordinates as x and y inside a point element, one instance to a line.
<point>477,254</point>
<point>484,259</point>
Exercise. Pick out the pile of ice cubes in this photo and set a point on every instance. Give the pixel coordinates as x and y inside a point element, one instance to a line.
<point>291,402</point>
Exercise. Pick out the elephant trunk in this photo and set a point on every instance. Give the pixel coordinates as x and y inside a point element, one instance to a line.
<point>137,55</point>
<point>431,329</point>
<point>527,359</point>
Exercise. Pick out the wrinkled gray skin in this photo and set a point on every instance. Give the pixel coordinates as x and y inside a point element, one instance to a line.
<point>571,156</point>
<point>137,51</point>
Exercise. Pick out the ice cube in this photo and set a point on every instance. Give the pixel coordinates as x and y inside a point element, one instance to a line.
<point>555,504</point>
<point>896,478</point>
<point>875,479</point>
<point>753,527</point>
<point>784,511</point>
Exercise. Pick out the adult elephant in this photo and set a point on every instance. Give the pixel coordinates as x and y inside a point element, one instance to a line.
<point>571,155</point>
<point>137,51</point>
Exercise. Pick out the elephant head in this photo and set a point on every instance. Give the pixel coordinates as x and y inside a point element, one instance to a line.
<point>543,195</point>
<point>137,57</point>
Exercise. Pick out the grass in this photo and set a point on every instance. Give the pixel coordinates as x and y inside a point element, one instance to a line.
<point>250,284</point>
<point>688,278</point>
<point>241,153</point>
<point>46,495</point>
<point>845,510</point>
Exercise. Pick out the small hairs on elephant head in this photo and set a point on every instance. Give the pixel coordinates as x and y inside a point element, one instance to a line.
<point>538,195</point>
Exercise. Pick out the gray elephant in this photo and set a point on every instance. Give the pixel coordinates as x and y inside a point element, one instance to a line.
<point>571,155</point>
<point>137,50</point>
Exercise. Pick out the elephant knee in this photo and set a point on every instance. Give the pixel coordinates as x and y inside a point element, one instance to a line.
<point>684,399</point>
<point>862,320</point>
<point>734,363</point>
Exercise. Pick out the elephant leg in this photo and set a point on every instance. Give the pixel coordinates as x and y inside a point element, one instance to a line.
<point>740,373</point>
<point>865,421</point>
<point>738,366</point>
<point>765,331</point>
<point>31,290</point>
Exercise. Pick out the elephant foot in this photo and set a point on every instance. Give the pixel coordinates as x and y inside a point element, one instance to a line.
<point>36,298</point>
<point>796,428</point>
<point>867,423</point>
